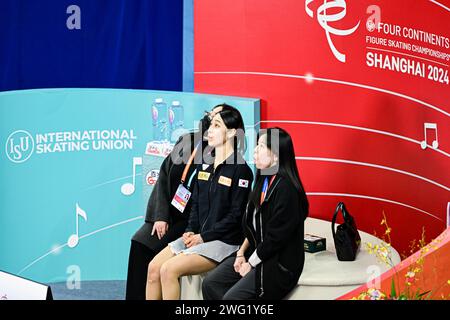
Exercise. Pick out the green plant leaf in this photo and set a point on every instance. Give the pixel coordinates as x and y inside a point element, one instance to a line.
<point>423,293</point>
<point>393,291</point>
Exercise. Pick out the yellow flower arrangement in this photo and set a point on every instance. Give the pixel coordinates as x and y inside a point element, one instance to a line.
<point>411,290</point>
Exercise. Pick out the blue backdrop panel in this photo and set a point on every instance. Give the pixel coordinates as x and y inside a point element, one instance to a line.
<point>67,158</point>
<point>119,44</point>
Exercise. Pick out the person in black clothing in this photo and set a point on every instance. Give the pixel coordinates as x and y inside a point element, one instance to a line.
<point>219,198</point>
<point>270,260</point>
<point>163,222</point>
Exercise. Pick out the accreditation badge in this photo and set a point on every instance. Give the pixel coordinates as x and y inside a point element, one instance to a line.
<point>181,198</point>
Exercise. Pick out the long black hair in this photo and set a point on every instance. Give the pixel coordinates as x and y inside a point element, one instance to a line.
<point>280,143</point>
<point>232,119</point>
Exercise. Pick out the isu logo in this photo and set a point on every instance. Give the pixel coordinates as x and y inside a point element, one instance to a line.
<point>19,146</point>
<point>323,19</point>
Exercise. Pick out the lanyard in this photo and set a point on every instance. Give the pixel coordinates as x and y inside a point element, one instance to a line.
<point>266,185</point>
<point>188,164</point>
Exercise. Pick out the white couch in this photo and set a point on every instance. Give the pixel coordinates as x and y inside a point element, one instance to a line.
<point>324,277</point>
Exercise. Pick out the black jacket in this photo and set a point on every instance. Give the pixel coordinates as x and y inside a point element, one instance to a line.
<point>159,206</point>
<point>278,239</point>
<point>219,201</point>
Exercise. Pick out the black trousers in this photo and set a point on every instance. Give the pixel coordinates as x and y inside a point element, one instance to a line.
<point>225,283</point>
<point>140,257</point>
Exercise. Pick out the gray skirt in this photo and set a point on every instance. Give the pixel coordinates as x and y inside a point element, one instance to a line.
<point>215,250</point>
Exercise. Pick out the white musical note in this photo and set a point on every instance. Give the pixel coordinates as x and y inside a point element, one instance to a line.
<point>73,239</point>
<point>128,188</point>
<point>435,143</point>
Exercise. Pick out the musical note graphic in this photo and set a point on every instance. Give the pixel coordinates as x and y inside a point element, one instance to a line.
<point>73,239</point>
<point>435,143</point>
<point>128,188</point>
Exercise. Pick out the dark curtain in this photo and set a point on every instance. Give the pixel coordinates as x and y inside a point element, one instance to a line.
<point>121,44</point>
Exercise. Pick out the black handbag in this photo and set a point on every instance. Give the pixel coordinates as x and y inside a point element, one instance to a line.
<point>346,238</point>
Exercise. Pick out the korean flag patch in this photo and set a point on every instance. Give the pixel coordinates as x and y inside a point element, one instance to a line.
<point>243,183</point>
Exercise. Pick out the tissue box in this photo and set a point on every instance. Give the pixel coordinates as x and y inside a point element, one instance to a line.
<point>314,243</point>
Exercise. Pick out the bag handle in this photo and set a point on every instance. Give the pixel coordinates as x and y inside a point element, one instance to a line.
<point>340,206</point>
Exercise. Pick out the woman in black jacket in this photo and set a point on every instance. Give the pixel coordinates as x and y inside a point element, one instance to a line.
<point>270,261</point>
<point>219,199</point>
<point>163,222</point>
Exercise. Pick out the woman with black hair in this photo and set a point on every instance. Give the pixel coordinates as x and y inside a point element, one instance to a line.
<point>270,260</point>
<point>163,222</point>
<point>218,203</point>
